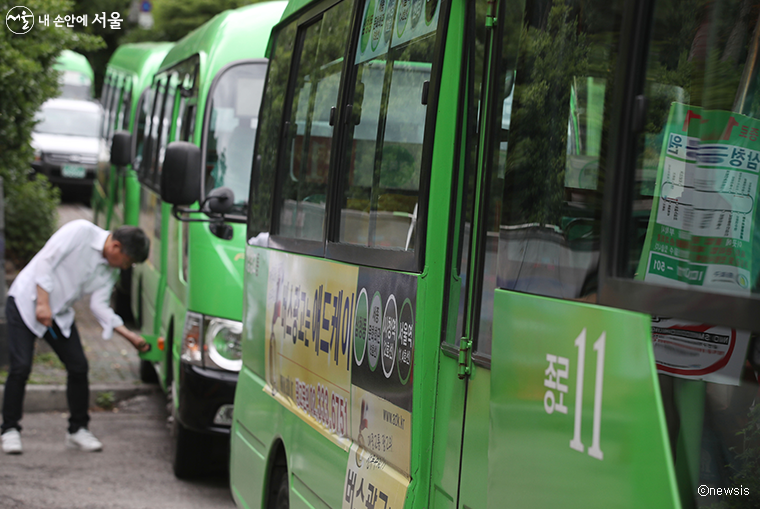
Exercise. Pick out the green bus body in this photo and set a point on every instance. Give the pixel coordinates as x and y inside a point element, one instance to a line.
<point>76,75</point>
<point>129,73</point>
<point>188,294</point>
<point>501,254</point>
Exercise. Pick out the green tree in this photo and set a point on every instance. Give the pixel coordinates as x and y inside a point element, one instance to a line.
<point>551,55</point>
<point>27,79</point>
<point>111,37</point>
<point>174,19</point>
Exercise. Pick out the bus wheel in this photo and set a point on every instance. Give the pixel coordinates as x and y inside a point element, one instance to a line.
<point>189,451</point>
<point>148,373</point>
<point>280,493</point>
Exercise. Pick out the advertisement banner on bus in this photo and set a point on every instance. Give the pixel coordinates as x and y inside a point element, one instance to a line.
<point>341,350</point>
<point>369,482</point>
<point>308,325</point>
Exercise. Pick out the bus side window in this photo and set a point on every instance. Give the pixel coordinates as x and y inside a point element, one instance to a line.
<point>113,105</point>
<point>545,206</point>
<point>142,126</point>
<point>152,145</point>
<point>268,133</point>
<point>305,157</point>
<point>170,104</point>
<point>126,106</point>
<point>105,96</point>
<point>185,127</point>
<point>386,129</point>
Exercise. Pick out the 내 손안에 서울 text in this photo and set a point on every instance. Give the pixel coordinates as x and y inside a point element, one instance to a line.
<point>21,20</point>
<point>705,490</point>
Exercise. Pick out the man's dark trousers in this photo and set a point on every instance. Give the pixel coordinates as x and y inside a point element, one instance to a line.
<point>21,351</point>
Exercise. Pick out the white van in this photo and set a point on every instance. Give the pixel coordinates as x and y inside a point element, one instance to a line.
<point>66,142</point>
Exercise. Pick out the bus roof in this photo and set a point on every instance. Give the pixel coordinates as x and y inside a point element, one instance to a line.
<point>72,61</point>
<point>228,36</point>
<point>135,56</point>
<point>295,6</point>
<point>139,60</point>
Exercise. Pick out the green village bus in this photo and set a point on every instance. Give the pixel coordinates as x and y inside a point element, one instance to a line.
<point>76,75</point>
<point>188,295</point>
<point>116,191</point>
<point>501,254</point>
<point>129,73</point>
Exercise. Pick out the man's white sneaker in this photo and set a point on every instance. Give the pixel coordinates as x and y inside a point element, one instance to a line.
<point>83,440</point>
<point>12,441</point>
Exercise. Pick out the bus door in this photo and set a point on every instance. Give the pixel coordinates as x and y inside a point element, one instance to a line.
<point>562,405</point>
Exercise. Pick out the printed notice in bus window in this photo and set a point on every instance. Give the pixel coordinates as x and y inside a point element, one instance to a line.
<point>700,233</point>
<point>699,352</point>
<point>701,227</point>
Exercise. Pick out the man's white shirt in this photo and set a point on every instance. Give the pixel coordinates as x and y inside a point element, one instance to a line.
<point>69,266</point>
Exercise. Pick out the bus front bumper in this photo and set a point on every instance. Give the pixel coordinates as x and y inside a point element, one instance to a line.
<point>203,394</point>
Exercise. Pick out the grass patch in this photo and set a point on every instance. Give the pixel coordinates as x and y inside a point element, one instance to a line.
<point>105,400</point>
<point>48,359</point>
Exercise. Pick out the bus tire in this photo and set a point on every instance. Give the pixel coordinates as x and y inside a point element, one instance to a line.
<point>280,490</point>
<point>189,451</point>
<point>147,372</point>
<point>122,299</point>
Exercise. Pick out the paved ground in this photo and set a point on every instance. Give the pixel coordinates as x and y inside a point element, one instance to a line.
<point>133,471</point>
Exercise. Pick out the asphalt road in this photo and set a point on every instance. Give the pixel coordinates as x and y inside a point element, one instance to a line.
<point>132,472</point>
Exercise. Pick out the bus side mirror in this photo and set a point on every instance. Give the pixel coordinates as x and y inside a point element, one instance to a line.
<point>219,200</point>
<point>121,149</point>
<point>181,173</point>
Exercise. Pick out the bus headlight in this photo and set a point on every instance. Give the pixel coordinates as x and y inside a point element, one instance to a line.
<point>191,339</point>
<point>223,347</point>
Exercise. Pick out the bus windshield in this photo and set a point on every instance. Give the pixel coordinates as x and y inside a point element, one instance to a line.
<point>232,130</point>
<point>68,122</point>
<point>75,85</point>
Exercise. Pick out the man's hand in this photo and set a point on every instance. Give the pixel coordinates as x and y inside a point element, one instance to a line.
<point>137,340</point>
<point>141,345</point>
<point>43,312</point>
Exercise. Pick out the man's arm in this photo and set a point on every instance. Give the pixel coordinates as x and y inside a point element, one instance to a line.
<point>137,340</point>
<point>43,312</point>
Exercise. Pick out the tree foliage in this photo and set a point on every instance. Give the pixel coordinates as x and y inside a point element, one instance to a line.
<point>551,56</point>
<point>174,19</point>
<point>27,80</point>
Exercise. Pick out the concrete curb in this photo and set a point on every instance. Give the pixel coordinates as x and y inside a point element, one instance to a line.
<point>48,398</point>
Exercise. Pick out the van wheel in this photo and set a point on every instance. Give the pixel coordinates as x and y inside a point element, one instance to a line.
<point>280,491</point>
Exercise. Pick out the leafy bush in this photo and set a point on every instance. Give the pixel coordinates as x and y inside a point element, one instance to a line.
<point>27,80</point>
<point>31,216</point>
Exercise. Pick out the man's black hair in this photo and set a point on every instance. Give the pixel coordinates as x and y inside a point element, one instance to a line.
<point>134,242</point>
